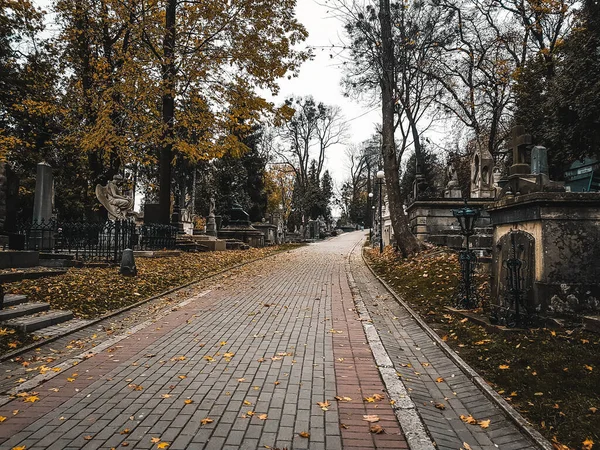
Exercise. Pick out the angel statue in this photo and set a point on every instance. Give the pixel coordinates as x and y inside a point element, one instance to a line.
<point>113,199</point>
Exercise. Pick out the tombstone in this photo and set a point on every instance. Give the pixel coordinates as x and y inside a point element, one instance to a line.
<point>539,160</point>
<point>522,180</point>
<point>240,227</point>
<point>43,203</point>
<point>564,226</point>
<point>128,267</point>
<point>583,176</point>
<point>482,166</point>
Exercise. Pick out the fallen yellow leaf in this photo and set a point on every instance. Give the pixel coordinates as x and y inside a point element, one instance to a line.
<point>188,401</point>
<point>587,444</point>
<point>484,423</point>
<point>376,429</point>
<point>371,418</point>
<point>468,419</point>
<point>503,367</point>
<point>324,405</point>
<point>155,440</point>
<point>162,445</point>
<point>304,434</point>
<point>206,420</point>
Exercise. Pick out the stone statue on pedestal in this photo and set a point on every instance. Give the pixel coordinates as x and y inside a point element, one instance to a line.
<point>112,198</point>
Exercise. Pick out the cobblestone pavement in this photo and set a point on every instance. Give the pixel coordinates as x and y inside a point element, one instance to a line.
<point>432,378</point>
<point>252,359</point>
<point>241,363</point>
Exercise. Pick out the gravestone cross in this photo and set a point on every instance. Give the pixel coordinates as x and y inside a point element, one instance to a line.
<point>518,144</point>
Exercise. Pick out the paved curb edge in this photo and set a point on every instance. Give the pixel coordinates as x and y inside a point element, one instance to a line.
<point>110,314</point>
<point>411,423</point>
<point>492,395</point>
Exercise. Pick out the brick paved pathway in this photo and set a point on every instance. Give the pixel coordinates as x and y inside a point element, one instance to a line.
<point>241,364</point>
<point>421,363</point>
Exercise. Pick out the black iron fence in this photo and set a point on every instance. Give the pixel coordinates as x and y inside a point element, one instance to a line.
<point>102,241</point>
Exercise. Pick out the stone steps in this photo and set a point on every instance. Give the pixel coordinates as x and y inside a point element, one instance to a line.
<point>23,309</point>
<point>14,299</point>
<point>39,321</point>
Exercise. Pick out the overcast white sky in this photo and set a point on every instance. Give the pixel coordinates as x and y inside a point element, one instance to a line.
<point>321,79</point>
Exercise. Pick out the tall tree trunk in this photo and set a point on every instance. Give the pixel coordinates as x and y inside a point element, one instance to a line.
<point>407,243</point>
<point>168,113</point>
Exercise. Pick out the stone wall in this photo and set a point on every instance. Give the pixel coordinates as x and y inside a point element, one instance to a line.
<point>432,221</point>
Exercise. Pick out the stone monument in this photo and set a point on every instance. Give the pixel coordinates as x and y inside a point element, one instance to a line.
<point>452,187</point>
<point>211,224</point>
<point>557,230</point>
<point>43,203</point>
<point>240,227</point>
<point>482,165</point>
<point>111,196</point>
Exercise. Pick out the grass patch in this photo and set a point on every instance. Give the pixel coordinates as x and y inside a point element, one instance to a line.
<point>550,376</point>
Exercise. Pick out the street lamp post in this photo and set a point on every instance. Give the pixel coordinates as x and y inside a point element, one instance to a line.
<point>373,224</point>
<point>370,218</point>
<point>466,218</point>
<point>380,176</point>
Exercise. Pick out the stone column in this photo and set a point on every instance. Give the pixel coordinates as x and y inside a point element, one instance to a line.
<point>43,204</point>
<point>44,193</point>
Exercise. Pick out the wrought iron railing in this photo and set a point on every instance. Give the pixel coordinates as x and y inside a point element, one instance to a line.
<point>101,241</point>
<point>513,309</point>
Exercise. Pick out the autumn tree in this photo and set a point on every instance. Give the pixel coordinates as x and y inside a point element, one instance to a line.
<point>163,80</point>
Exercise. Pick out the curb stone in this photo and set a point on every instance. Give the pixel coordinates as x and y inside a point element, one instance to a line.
<point>492,395</point>
<point>404,408</point>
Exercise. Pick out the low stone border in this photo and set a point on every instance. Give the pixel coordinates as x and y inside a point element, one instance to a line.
<point>116,312</point>
<point>492,395</point>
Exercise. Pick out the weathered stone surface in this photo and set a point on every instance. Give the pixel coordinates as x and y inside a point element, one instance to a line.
<point>567,235</point>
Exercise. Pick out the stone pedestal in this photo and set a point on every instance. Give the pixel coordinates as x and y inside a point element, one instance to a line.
<point>559,236</point>
<point>269,232</point>
<point>432,221</point>
<point>211,225</point>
